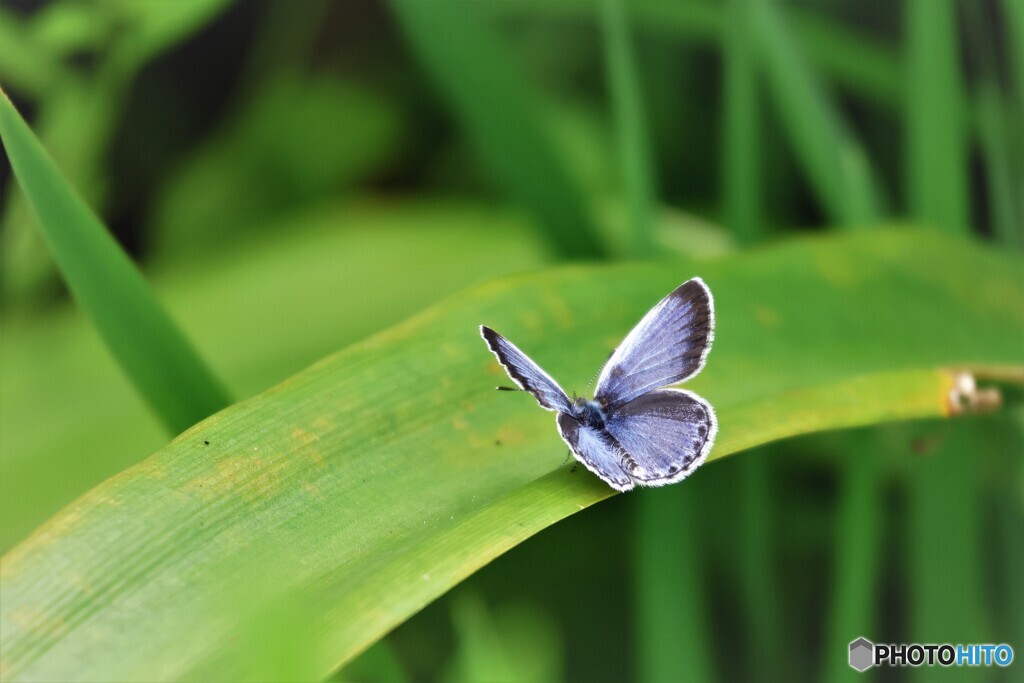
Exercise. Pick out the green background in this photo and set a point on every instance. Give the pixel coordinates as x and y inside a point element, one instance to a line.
<point>366,182</point>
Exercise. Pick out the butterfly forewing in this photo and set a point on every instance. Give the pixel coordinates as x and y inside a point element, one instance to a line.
<point>525,373</point>
<point>668,346</point>
<point>664,435</point>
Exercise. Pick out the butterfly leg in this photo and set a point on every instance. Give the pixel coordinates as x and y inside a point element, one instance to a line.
<point>568,457</point>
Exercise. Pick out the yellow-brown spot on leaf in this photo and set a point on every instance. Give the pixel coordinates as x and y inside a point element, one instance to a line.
<point>766,317</point>
<point>510,435</point>
<point>304,437</point>
<point>316,456</point>
<point>254,477</point>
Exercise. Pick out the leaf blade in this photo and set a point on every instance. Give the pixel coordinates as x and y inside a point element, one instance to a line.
<point>370,483</point>
<point>149,347</point>
<point>498,110</point>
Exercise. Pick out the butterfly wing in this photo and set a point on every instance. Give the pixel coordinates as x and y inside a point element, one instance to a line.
<point>525,373</point>
<point>595,450</point>
<point>669,345</point>
<point>665,434</point>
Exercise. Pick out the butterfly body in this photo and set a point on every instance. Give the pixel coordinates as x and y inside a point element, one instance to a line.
<point>589,413</point>
<point>634,432</point>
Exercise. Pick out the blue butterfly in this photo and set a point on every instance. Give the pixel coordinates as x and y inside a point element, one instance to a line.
<point>634,432</point>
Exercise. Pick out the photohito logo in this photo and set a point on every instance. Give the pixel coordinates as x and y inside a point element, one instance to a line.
<point>864,654</point>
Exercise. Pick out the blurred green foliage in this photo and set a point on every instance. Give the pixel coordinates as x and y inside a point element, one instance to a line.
<point>292,182</point>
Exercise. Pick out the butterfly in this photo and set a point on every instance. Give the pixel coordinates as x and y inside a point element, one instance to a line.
<point>634,432</point>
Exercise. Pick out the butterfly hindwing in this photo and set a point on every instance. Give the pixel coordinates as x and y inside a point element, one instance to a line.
<point>525,373</point>
<point>595,450</point>
<point>665,435</point>
<point>669,345</point>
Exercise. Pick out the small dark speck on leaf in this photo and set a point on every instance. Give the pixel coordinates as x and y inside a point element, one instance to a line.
<point>926,445</point>
<point>206,443</point>
<point>497,442</point>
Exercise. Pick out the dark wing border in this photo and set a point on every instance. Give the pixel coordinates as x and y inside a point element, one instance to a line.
<point>633,339</point>
<point>702,456</point>
<point>491,338</point>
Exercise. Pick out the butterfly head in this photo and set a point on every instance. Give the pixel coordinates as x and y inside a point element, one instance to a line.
<point>589,412</point>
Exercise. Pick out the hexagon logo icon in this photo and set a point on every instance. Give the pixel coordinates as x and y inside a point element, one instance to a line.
<point>862,654</point>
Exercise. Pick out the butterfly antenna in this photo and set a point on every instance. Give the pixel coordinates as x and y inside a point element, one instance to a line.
<point>600,370</point>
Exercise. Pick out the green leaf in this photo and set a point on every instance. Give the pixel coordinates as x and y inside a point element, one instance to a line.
<point>55,440</point>
<point>833,160</point>
<point>150,348</point>
<point>741,171</point>
<point>366,486</point>
<point>852,59</point>
<point>673,643</point>
<point>631,130</point>
<point>516,643</point>
<point>936,118</point>
<point>502,118</point>
<point>1014,10</point>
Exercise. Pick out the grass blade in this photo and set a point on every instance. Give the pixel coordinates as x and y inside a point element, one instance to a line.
<point>673,642</point>
<point>994,115</point>
<point>1007,224</point>
<point>635,156</point>
<point>149,347</point>
<point>857,557</point>
<point>936,118</point>
<point>1014,10</point>
<point>502,118</point>
<point>832,159</point>
<point>741,173</point>
<point>369,484</point>
<point>945,601</point>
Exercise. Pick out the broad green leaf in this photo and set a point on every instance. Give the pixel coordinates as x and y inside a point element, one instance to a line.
<point>502,117</point>
<point>147,344</point>
<point>367,485</point>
